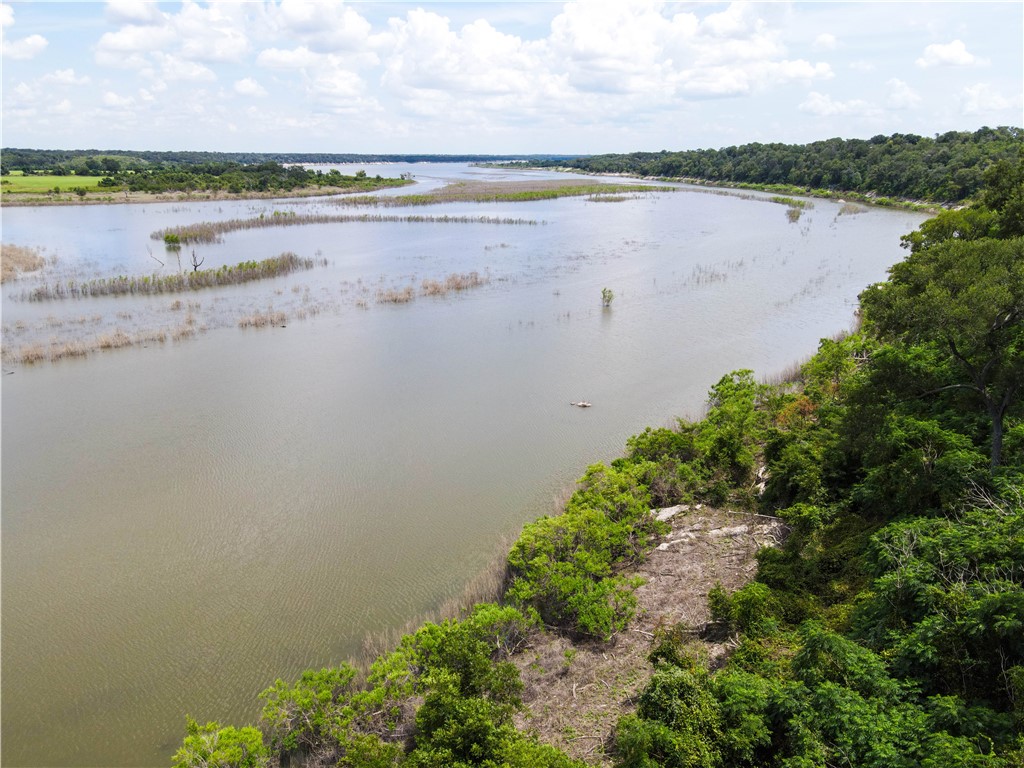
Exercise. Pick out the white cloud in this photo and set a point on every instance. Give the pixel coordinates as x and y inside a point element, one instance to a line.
<point>324,26</point>
<point>954,54</point>
<point>249,87</point>
<point>479,60</point>
<point>984,98</point>
<point>129,47</point>
<point>111,99</point>
<point>298,58</point>
<point>193,34</point>
<point>174,67</point>
<point>825,42</point>
<point>22,48</point>
<point>25,48</point>
<point>133,12</point>
<point>64,77</point>
<point>823,105</point>
<point>214,33</point>
<point>901,95</point>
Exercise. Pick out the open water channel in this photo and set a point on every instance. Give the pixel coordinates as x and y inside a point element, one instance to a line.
<point>184,521</point>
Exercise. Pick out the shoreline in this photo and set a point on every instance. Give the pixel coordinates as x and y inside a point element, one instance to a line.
<point>918,206</point>
<point>30,200</point>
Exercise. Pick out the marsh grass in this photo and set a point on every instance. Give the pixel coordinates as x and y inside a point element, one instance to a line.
<point>56,350</point>
<point>793,214</point>
<point>270,317</point>
<point>500,192</point>
<point>213,231</point>
<point>792,202</point>
<point>15,259</point>
<point>850,209</point>
<point>396,295</point>
<point>612,198</point>
<point>243,272</point>
<point>454,282</point>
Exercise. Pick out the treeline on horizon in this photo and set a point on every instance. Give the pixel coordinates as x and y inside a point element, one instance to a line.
<point>886,632</point>
<point>97,162</point>
<point>945,169</point>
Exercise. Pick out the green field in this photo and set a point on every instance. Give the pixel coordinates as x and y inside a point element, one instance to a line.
<point>19,183</point>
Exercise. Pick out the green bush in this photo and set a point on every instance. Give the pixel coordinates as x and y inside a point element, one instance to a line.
<point>564,566</point>
<point>214,746</point>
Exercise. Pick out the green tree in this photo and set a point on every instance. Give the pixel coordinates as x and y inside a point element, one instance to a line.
<point>213,746</point>
<point>966,301</point>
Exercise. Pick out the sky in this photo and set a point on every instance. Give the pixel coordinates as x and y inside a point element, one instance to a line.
<point>582,77</point>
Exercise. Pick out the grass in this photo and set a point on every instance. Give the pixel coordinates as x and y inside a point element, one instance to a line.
<point>17,183</point>
<point>396,295</point>
<point>213,231</point>
<point>263,319</point>
<point>55,351</point>
<point>792,202</point>
<point>243,272</point>
<point>850,209</point>
<point>15,259</point>
<point>454,282</point>
<point>503,192</point>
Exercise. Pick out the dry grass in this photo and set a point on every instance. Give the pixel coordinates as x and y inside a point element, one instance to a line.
<point>114,340</point>
<point>454,282</point>
<point>851,209</point>
<point>263,319</point>
<point>15,259</point>
<point>396,295</point>
<point>56,350</point>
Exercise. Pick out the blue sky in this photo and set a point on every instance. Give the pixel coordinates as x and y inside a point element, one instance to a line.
<point>501,77</point>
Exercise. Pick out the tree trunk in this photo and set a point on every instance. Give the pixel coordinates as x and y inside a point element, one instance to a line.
<point>997,438</point>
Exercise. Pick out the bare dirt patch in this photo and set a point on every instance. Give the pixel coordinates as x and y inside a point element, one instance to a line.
<point>574,694</point>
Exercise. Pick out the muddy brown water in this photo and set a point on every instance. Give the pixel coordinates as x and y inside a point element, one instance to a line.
<point>183,522</point>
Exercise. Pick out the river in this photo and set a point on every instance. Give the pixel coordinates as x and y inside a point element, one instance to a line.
<point>186,520</point>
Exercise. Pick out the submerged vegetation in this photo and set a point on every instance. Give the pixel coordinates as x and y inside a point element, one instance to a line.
<point>15,259</point>
<point>454,282</point>
<point>178,282</point>
<point>888,628</point>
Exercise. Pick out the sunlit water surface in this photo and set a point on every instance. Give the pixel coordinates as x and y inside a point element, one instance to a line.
<point>185,521</point>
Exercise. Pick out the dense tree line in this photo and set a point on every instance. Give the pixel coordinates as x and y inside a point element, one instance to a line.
<point>100,162</point>
<point>887,631</point>
<point>234,177</point>
<point>947,168</point>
